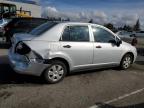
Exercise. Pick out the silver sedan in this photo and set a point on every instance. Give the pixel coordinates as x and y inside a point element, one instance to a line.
<point>54,49</point>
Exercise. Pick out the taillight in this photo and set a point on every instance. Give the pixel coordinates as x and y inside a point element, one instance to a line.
<point>22,48</point>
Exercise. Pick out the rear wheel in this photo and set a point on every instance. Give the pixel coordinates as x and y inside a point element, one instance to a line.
<point>55,72</point>
<point>126,61</point>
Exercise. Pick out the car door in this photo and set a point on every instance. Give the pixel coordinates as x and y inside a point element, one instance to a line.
<point>75,43</point>
<point>105,52</point>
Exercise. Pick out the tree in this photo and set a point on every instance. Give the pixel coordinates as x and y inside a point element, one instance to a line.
<point>91,21</point>
<point>120,28</point>
<point>137,26</point>
<point>109,26</point>
<point>59,19</point>
<point>127,28</point>
<point>68,19</point>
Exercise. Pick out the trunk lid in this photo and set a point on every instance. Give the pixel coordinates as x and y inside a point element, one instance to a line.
<point>20,37</point>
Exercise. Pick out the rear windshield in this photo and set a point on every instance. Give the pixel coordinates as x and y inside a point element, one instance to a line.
<point>42,28</point>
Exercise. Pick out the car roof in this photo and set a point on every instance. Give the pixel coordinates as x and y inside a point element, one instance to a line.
<point>78,23</point>
<point>82,23</point>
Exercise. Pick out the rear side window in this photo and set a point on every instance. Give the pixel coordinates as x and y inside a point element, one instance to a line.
<point>76,34</point>
<point>43,28</point>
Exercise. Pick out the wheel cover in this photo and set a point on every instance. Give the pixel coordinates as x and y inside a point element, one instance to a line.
<point>127,62</point>
<point>55,72</point>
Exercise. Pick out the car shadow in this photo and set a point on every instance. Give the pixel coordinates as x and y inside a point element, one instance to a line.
<point>101,105</point>
<point>91,71</point>
<point>8,76</point>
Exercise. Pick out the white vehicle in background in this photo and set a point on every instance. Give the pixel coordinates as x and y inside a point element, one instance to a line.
<point>3,22</point>
<point>140,34</point>
<point>126,36</point>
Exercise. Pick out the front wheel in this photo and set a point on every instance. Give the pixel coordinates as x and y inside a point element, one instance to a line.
<point>126,61</point>
<point>55,72</point>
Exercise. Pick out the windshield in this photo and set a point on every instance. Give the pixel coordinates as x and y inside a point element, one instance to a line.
<point>13,9</point>
<point>42,28</point>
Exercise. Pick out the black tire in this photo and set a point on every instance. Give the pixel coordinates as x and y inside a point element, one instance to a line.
<point>51,76</point>
<point>126,61</point>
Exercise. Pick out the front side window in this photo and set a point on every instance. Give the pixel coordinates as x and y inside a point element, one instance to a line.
<point>102,35</point>
<point>76,33</point>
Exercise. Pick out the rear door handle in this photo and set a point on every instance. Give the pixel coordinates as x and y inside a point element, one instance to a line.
<point>67,46</point>
<point>98,46</point>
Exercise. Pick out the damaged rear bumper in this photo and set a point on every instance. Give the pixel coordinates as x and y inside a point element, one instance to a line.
<point>21,64</point>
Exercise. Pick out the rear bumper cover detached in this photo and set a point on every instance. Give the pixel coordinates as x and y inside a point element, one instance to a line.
<point>22,65</point>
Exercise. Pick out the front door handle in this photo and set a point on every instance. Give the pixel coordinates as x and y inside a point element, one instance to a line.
<point>98,46</point>
<point>67,46</point>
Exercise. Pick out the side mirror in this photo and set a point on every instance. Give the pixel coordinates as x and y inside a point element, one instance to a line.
<point>119,42</point>
<point>113,42</point>
<point>116,42</point>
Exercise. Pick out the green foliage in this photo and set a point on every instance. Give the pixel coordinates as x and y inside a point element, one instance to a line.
<point>91,21</point>
<point>111,27</point>
<point>137,26</point>
<point>128,28</point>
